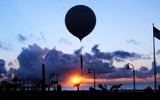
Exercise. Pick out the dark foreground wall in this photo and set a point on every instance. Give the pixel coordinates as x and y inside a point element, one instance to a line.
<point>79,95</point>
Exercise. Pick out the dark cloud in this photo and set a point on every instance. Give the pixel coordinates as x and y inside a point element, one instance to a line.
<point>2,67</point>
<point>143,72</point>
<point>122,55</point>
<point>143,69</point>
<point>79,51</point>
<point>157,68</point>
<point>132,41</point>
<point>101,55</point>
<point>21,38</point>
<point>30,60</point>
<point>145,57</point>
<point>32,57</point>
<point>95,49</point>
<point>119,73</point>
<point>116,55</point>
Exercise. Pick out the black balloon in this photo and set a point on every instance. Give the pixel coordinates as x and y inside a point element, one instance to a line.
<point>80,20</point>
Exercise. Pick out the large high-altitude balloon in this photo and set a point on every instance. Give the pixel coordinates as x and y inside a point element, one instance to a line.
<point>80,20</point>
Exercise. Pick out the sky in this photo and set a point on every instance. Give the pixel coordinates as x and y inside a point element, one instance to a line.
<point>123,26</point>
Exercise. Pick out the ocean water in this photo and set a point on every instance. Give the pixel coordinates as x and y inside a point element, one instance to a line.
<point>123,87</point>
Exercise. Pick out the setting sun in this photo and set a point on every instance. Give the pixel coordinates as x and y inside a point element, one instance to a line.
<point>76,80</point>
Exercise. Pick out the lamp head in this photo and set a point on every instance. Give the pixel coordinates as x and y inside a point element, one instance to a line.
<point>127,66</point>
<point>89,70</point>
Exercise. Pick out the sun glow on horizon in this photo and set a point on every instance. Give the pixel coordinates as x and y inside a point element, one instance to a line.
<point>76,80</point>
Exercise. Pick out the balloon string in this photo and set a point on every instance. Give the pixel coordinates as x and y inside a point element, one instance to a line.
<point>81,60</point>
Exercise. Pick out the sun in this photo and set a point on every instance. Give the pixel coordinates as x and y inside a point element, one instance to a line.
<point>76,80</point>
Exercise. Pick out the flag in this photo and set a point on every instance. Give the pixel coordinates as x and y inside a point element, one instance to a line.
<point>156,32</point>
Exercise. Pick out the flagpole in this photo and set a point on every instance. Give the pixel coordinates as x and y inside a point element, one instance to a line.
<point>81,60</point>
<point>154,62</point>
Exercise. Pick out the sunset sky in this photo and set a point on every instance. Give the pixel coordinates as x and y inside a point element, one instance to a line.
<point>34,31</point>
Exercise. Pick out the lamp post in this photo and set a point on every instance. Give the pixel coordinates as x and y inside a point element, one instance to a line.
<point>94,75</point>
<point>43,77</point>
<point>128,67</point>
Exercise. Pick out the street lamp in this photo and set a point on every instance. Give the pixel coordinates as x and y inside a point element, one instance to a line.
<point>128,67</point>
<point>94,75</point>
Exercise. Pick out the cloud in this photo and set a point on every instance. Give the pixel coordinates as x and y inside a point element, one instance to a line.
<point>145,57</point>
<point>119,73</point>
<point>132,41</point>
<point>21,38</point>
<point>5,46</point>
<point>64,41</point>
<point>142,72</point>
<point>118,55</point>
<point>79,51</point>
<point>56,61</point>
<point>101,55</point>
<point>157,68</point>
<point>39,37</point>
<point>122,55</point>
<point>10,64</point>
<point>42,36</point>
<point>2,46</point>
<point>30,60</point>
